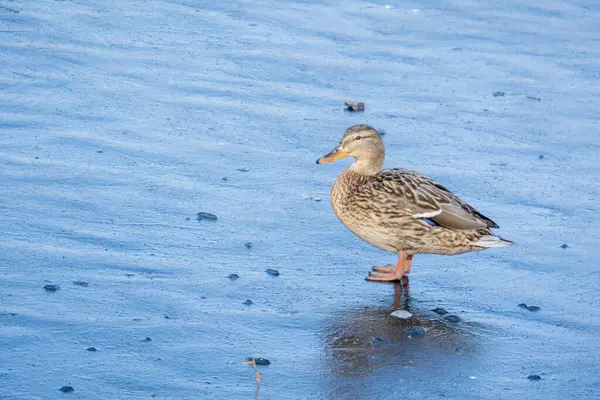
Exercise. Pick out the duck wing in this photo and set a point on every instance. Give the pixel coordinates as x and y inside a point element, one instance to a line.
<point>400,188</point>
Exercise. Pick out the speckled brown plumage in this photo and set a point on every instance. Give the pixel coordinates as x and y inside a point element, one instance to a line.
<point>399,210</point>
<point>384,211</point>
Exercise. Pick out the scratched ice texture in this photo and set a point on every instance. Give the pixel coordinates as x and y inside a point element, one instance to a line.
<point>121,120</point>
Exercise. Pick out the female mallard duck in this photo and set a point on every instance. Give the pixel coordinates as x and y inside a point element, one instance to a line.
<point>399,210</point>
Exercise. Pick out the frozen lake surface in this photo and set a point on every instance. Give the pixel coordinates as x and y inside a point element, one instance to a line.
<point>120,120</point>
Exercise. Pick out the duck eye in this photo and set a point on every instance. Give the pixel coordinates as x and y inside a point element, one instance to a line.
<point>358,137</point>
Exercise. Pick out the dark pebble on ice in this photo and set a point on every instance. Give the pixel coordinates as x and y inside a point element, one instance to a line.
<point>206,216</point>
<point>8,9</point>
<point>534,98</point>
<point>534,377</point>
<point>354,105</point>
<point>272,272</point>
<point>51,288</point>
<point>541,157</point>
<point>80,283</point>
<point>99,151</point>
<point>243,170</point>
<point>66,389</point>
<point>523,305</point>
<point>248,245</point>
<point>248,302</point>
<point>233,277</point>
<point>440,311</point>
<point>419,331</point>
<point>534,308</point>
<point>259,361</point>
<point>224,179</point>
<point>91,349</point>
<point>147,340</point>
<point>452,318</point>
<point>378,340</point>
<point>564,246</point>
<point>498,94</point>
<point>187,218</point>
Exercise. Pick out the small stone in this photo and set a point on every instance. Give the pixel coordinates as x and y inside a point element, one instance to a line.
<point>91,349</point>
<point>452,318</point>
<point>440,311</point>
<point>541,157</point>
<point>259,361</point>
<point>147,340</point>
<point>272,272</point>
<point>523,305</point>
<point>187,218</point>
<point>534,98</point>
<point>354,106</point>
<point>248,245</point>
<point>204,216</point>
<point>66,389</point>
<point>378,340</point>
<point>99,151</point>
<point>419,331</point>
<point>534,308</point>
<point>534,377</point>
<point>233,277</point>
<point>564,246</point>
<point>51,288</point>
<point>498,94</point>
<point>402,314</point>
<point>248,302</point>
<point>80,283</point>
<point>224,179</point>
<point>243,170</point>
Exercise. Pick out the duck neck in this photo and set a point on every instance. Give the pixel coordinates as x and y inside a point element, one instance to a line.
<point>368,164</point>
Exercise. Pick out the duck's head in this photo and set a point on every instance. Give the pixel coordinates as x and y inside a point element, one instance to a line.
<point>364,144</point>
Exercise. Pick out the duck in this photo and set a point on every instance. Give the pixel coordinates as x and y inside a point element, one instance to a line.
<point>399,210</point>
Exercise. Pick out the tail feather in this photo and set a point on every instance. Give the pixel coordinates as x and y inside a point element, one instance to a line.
<point>492,241</point>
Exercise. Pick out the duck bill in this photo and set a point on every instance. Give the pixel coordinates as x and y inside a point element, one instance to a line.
<point>332,156</point>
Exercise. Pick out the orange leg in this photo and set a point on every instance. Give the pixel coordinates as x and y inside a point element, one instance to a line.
<point>392,273</point>
<point>407,264</point>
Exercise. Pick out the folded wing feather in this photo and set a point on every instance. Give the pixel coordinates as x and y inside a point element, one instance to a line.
<point>428,199</point>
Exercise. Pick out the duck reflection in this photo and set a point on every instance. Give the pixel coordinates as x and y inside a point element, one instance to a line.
<point>362,342</point>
